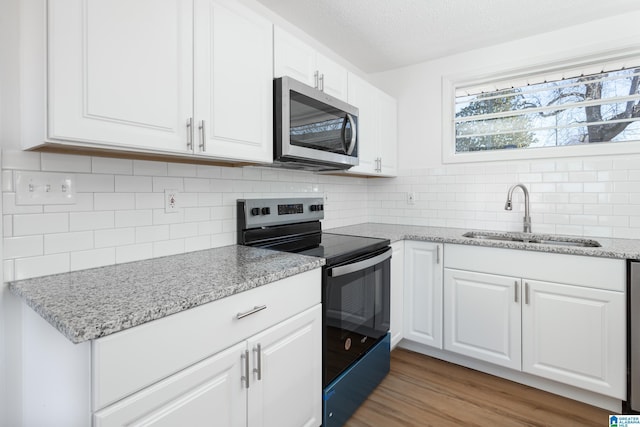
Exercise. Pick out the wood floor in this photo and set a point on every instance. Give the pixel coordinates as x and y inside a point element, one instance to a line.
<point>422,391</point>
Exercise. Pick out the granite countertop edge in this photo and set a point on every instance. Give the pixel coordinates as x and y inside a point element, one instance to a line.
<point>89,304</point>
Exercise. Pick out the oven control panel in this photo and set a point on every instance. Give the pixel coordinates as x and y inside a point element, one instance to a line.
<point>254,213</point>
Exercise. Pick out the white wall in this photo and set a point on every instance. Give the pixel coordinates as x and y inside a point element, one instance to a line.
<point>9,50</point>
<point>598,196</point>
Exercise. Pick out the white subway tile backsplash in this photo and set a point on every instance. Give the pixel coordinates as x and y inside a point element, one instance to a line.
<point>132,253</point>
<point>113,201</point>
<point>7,181</point>
<point>145,167</point>
<point>187,229</point>
<point>197,185</point>
<point>153,233</point>
<point>168,247</point>
<point>207,171</point>
<point>149,200</point>
<point>84,202</point>
<point>197,243</point>
<point>79,221</point>
<point>31,224</point>
<point>68,242</point>
<point>119,215</point>
<point>24,268</point>
<point>25,246</point>
<point>53,162</point>
<point>114,238</point>
<point>98,183</point>
<point>134,218</point>
<point>182,169</point>
<point>133,184</point>
<point>93,258</point>
<point>161,183</point>
<point>110,165</point>
<point>9,205</point>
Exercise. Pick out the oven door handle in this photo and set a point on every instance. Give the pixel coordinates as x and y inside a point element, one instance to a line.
<point>360,265</point>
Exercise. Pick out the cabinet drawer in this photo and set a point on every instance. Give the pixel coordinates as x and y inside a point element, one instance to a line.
<point>592,272</point>
<point>130,360</point>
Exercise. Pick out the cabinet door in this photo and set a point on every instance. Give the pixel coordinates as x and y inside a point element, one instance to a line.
<point>120,73</point>
<point>361,95</point>
<point>294,58</point>
<point>209,393</point>
<point>233,82</point>
<point>423,293</point>
<point>333,77</point>
<point>397,292</point>
<point>482,316</point>
<point>286,383</point>
<point>388,123</point>
<point>575,335</point>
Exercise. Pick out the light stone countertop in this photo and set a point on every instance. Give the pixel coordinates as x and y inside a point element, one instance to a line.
<point>88,304</point>
<point>610,248</point>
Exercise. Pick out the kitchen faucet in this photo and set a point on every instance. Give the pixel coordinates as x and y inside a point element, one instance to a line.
<point>508,206</point>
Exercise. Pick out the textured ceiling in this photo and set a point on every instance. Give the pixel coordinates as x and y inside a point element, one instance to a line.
<point>378,35</point>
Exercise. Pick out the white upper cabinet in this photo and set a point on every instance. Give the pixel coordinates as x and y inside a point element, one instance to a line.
<point>120,72</point>
<point>377,124</point>
<point>160,76</point>
<point>294,58</point>
<point>233,82</point>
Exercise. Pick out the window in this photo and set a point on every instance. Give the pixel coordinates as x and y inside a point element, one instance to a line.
<point>592,105</point>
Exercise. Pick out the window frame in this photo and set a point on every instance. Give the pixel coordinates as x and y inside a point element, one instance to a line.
<point>452,82</point>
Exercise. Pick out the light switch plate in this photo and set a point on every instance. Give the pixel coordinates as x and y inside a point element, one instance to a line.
<point>45,188</point>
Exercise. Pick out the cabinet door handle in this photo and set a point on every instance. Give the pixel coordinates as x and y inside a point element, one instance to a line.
<point>203,135</point>
<point>258,369</point>
<point>245,359</point>
<point>255,309</point>
<point>321,82</point>
<point>316,77</point>
<point>515,288</point>
<point>526,293</point>
<point>190,133</point>
<point>437,254</point>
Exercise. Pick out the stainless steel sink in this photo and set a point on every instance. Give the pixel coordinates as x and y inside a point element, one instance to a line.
<point>542,239</point>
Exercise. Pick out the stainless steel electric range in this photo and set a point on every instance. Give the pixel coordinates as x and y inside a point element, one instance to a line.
<point>355,294</point>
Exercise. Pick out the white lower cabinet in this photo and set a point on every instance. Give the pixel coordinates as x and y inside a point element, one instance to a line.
<point>482,317</point>
<point>271,379</point>
<point>575,335</point>
<point>562,318</point>
<point>285,372</point>
<point>209,393</point>
<point>397,292</point>
<point>423,293</point>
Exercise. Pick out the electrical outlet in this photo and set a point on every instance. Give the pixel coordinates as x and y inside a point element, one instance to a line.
<point>411,198</point>
<point>171,201</point>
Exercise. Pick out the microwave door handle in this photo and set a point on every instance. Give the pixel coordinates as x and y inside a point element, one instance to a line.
<point>354,131</point>
<point>360,265</point>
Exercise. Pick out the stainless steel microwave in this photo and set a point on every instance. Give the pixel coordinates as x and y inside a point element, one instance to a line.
<point>313,130</point>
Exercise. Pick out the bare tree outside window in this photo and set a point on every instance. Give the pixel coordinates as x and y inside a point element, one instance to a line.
<point>598,108</point>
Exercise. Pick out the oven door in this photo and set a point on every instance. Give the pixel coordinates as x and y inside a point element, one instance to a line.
<point>356,306</point>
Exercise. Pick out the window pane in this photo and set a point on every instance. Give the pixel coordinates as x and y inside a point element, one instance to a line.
<point>598,108</point>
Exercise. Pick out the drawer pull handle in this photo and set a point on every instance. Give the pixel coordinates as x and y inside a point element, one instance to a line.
<point>255,309</point>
